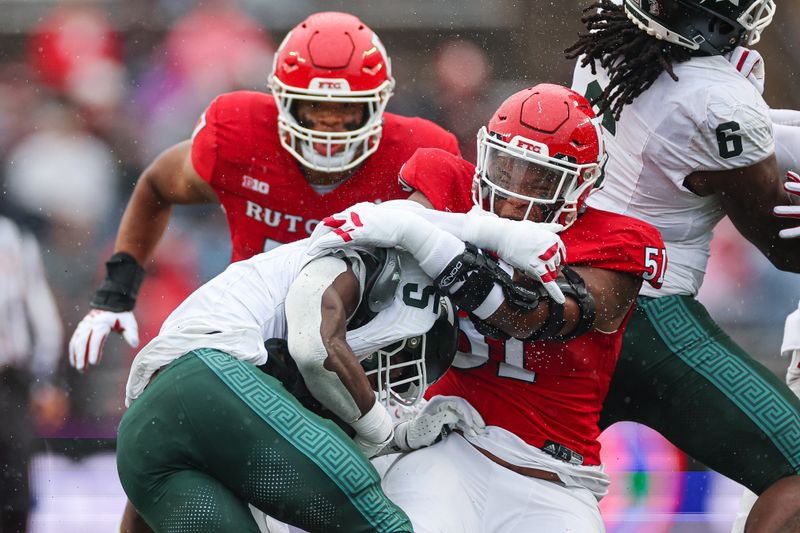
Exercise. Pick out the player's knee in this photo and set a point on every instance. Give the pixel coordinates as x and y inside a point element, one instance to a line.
<point>777,508</point>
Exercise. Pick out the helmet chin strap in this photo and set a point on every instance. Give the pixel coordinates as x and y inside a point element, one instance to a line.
<point>334,161</point>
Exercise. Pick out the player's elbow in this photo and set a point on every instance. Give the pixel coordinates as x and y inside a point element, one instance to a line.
<point>307,349</point>
<point>310,336</point>
<point>151,183</point>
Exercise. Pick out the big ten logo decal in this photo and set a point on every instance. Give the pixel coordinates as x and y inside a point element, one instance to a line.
<point>249,182</point>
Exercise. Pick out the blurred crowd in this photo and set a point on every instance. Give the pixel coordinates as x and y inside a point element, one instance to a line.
<point>85,106</point>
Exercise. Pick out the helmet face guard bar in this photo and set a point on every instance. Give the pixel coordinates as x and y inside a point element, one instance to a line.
<point>403,382</point>
<point>403,370</point>
<point>756,18</point>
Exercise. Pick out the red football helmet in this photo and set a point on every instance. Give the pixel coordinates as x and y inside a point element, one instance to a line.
<point>543,146</point>
<point>331,57</point>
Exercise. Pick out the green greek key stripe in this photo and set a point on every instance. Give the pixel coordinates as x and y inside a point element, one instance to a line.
<point>349,470</point>
<point>684,334</point>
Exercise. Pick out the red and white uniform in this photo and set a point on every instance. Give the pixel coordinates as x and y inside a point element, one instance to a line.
<point>261,187</point>
<point>534,396</point>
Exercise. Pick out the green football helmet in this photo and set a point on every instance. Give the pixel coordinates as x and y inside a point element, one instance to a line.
<point>711,27</point>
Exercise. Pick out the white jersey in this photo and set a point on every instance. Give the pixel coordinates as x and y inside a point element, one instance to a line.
<point>244,306</point>
<point>30,326</point>
<point>711,119</point>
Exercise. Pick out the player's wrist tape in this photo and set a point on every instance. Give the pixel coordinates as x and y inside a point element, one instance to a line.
<point>479,294</point>
<point>375,425</point>
<point>121,285</point>
<point>572,284</point>
<point>479,284</point>
<point>524,299</point>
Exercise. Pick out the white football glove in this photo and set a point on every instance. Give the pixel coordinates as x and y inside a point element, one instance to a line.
<point>792,186</point>
<point>86,344</point>
<point>359,225</point>
<point>439,415</point>
<point>366,224</point>
<point>534,248</point>
<point>750,64</point>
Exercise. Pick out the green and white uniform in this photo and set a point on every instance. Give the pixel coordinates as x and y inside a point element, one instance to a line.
<point>211,432</point>
<point>678,372</point>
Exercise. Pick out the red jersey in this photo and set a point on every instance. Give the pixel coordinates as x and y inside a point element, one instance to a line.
<point>547,393</point>
<point>267,201</point>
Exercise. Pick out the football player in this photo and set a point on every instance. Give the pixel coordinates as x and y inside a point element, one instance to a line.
<point>786,129</point>
<point>277,164</point>
<point>534,369</point>
<point>692,141</point>
<point>785,124</point>
<point>208,432</point>
<point>332,310</point>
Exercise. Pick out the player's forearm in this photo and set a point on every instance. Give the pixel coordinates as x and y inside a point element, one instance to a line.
<point>348,371</point>
<point>787,147</point>
<point>144,221</point>
<point>785,117</point>
<point>316,319</point>
<point>452,223</point>
<point>784,254</point>
<point>759,226</point>
<point>517,323</point>
<point>169,180</point>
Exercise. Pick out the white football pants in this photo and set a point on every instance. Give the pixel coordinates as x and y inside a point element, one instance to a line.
<point>451,487</point>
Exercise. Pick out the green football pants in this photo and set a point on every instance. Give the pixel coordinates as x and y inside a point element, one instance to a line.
<point>681,375</point>
<point>211,434</point>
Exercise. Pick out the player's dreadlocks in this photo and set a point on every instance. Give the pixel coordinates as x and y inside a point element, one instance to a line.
<point>632,58</point>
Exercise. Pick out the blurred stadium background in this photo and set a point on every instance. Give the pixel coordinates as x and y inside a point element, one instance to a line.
<point>91,91</point>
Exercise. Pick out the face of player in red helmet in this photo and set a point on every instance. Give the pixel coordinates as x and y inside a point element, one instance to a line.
<point>540,156</point>
<point>331,81</point>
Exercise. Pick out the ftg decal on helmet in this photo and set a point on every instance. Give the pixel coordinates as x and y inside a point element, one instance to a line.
<point>712,27</point>
<point>331,57</point>
<point>543,147</point>
<point>404,370</point>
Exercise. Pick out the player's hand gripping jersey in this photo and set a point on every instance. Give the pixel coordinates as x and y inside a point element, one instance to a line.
<point>267,201</point>
<point>549,394</point>
<point>713,120</point>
